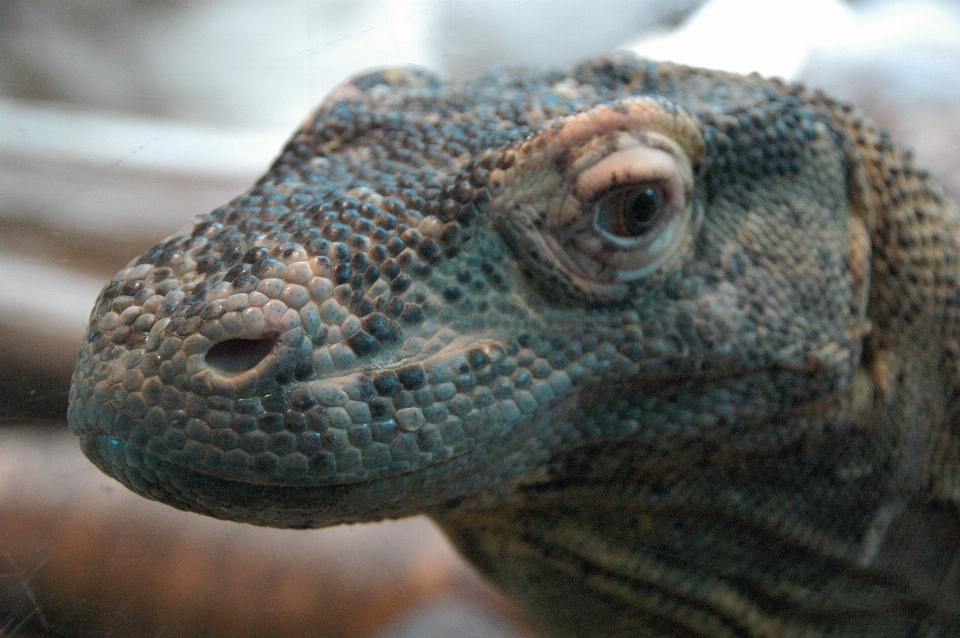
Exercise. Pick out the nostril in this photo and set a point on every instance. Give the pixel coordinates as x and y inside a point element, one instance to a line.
<point>238,355</point>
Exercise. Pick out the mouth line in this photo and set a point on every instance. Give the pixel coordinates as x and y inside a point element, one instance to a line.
<point>274,505</point>
<point>239,363</point>
<point>299,505</point>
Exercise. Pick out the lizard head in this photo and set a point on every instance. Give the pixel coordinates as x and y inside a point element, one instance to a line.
<point>438,289</point>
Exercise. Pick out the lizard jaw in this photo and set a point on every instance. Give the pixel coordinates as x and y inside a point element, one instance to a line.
<point>289,506</point>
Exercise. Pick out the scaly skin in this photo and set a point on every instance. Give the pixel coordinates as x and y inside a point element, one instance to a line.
<point>665,351</point>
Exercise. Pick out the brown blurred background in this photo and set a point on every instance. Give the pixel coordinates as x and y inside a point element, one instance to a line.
<point>120,119</point>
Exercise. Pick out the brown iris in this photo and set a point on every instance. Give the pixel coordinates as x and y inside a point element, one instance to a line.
<point>631,211</point>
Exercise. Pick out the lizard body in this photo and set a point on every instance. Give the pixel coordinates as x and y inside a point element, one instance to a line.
<point>664,351</point>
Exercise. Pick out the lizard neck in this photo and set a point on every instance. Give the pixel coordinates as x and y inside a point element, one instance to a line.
<point>740,549</point>
<point>695,544</point>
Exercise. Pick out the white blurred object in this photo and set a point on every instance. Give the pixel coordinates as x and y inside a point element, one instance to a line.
<point>58,132</point>
<point>911,48</point>
<point>896,59</point>
<point>171,109</point>
<point>771,37</point>
<point>901,65</point>
<point>471,36</point>
<point>121,176</point>
<point>223,62</point>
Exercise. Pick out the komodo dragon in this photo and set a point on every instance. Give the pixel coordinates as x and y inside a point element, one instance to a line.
<point>664,351</point>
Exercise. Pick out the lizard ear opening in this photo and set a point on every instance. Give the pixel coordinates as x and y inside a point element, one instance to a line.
<point>602,199</point>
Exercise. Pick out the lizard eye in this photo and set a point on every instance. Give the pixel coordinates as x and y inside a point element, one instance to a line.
<point>624,215</point>
<point>631,211</point>
<point>602,200</point>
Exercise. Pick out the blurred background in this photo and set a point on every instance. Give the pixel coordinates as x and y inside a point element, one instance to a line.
<point>121,119</point>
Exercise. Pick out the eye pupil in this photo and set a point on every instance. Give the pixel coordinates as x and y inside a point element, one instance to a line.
<point>630,212</point>
<point>640,210</point>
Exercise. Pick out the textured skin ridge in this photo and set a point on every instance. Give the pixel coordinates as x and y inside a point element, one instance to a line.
<point>675,344</point>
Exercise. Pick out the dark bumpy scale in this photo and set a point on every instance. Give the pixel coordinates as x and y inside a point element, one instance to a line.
<point>665,351</point>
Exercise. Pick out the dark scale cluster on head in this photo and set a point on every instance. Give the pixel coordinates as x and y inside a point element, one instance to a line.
<point>745,144</point>
<point>633,76</point>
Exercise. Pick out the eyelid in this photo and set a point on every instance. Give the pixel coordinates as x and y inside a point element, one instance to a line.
<point>636,165</point>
